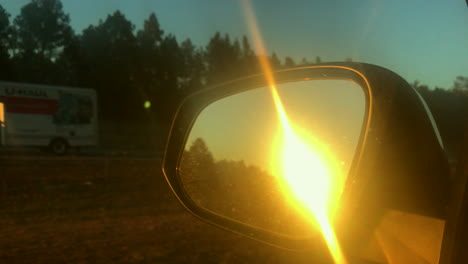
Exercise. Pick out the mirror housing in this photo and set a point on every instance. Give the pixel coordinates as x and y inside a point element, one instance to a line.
<point>399,161</point>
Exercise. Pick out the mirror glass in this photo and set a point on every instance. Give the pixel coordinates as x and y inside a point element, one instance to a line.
<point>271,162</point>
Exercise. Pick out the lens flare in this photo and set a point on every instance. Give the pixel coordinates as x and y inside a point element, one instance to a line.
<point>307,173</point>
<point>310,181</point>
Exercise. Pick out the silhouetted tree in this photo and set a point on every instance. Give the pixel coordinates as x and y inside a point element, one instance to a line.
<point>147,77</point>
<point>246,49</point>
<point>318,60</point>
<point>421,88</point>
<point>169,94</point>
<point>70,63</point>
<point>193,67</point>
<point>149,45</point>
<point>222,59</point>
<point>5,37</point>
<point>171,61</point>
<point>109,54</point>
<point>249,61</point>
<point>41,30</point>
<point>5,29</point>
<point>198,163</point>
<point>275,62</point>
<point>289,62</point>
<point>460,85</point>
<point>151,35</point>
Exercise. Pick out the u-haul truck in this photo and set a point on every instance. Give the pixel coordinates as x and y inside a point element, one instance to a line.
<point>47,116</point>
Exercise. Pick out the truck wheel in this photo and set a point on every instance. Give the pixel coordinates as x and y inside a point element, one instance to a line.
<point>58,146</point>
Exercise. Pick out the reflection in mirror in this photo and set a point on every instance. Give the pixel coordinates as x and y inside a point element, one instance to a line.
<point>233,165</point>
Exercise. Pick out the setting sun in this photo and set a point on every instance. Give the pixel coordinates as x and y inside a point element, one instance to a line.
<point>306,175</point>
<point>309,179</point>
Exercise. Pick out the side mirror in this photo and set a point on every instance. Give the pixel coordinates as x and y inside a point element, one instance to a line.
<point>349,140</point>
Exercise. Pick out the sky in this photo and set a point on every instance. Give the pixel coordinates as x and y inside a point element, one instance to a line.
<point>425,40</point>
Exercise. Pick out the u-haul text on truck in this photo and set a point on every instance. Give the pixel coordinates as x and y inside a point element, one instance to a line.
<point>47,116</point>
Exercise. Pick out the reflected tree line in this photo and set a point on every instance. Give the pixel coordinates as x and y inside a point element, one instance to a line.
<point>238,190</point>
<point>199,169</point>
<point>129,66</point>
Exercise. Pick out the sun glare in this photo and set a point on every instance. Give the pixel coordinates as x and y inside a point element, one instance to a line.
<point>310,180</point>
<point>307,173</point>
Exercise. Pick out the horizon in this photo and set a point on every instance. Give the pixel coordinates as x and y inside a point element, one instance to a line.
<point>429,50</point>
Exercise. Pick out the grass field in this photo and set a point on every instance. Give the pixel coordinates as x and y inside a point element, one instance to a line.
<point>96,210</point>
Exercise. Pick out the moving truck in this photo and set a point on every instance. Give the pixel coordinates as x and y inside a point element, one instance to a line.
<point>50,117</point>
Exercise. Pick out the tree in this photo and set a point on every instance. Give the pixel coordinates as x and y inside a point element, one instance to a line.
<point>171,60</point>
<point>318,60</point>
<point>222,59</point>
<point>421,88</point>
<point>289,62</point>
<point>241,183</point>
<point>149,65</point>
<point>198,163</point>
<point>246,49</point>
<point>151,35</point>
<point>5,37</point>
<point>199,176</point>
<point>42,28</point>
<point>69,64</point>
<point>149,46</point>
<point>460,85</point>
<point>162,78</point>
<point>109,52</point>
<point>249,62</point>
<point>112,40</point>
<point>193,67</point>
<point>200,152</point>
<point>5,29</point>
<point>275,62</point>
<point>40,33</point>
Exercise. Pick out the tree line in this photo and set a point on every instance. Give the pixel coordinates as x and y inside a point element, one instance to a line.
<point>246,189</point>
<point>449,108</point>
<point>142,74</point>
<point>127,67</point>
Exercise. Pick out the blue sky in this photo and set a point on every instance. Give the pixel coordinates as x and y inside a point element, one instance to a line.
<point>418,39</point>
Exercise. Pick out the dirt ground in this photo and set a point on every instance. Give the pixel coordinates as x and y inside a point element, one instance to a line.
<point>96,210</point>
